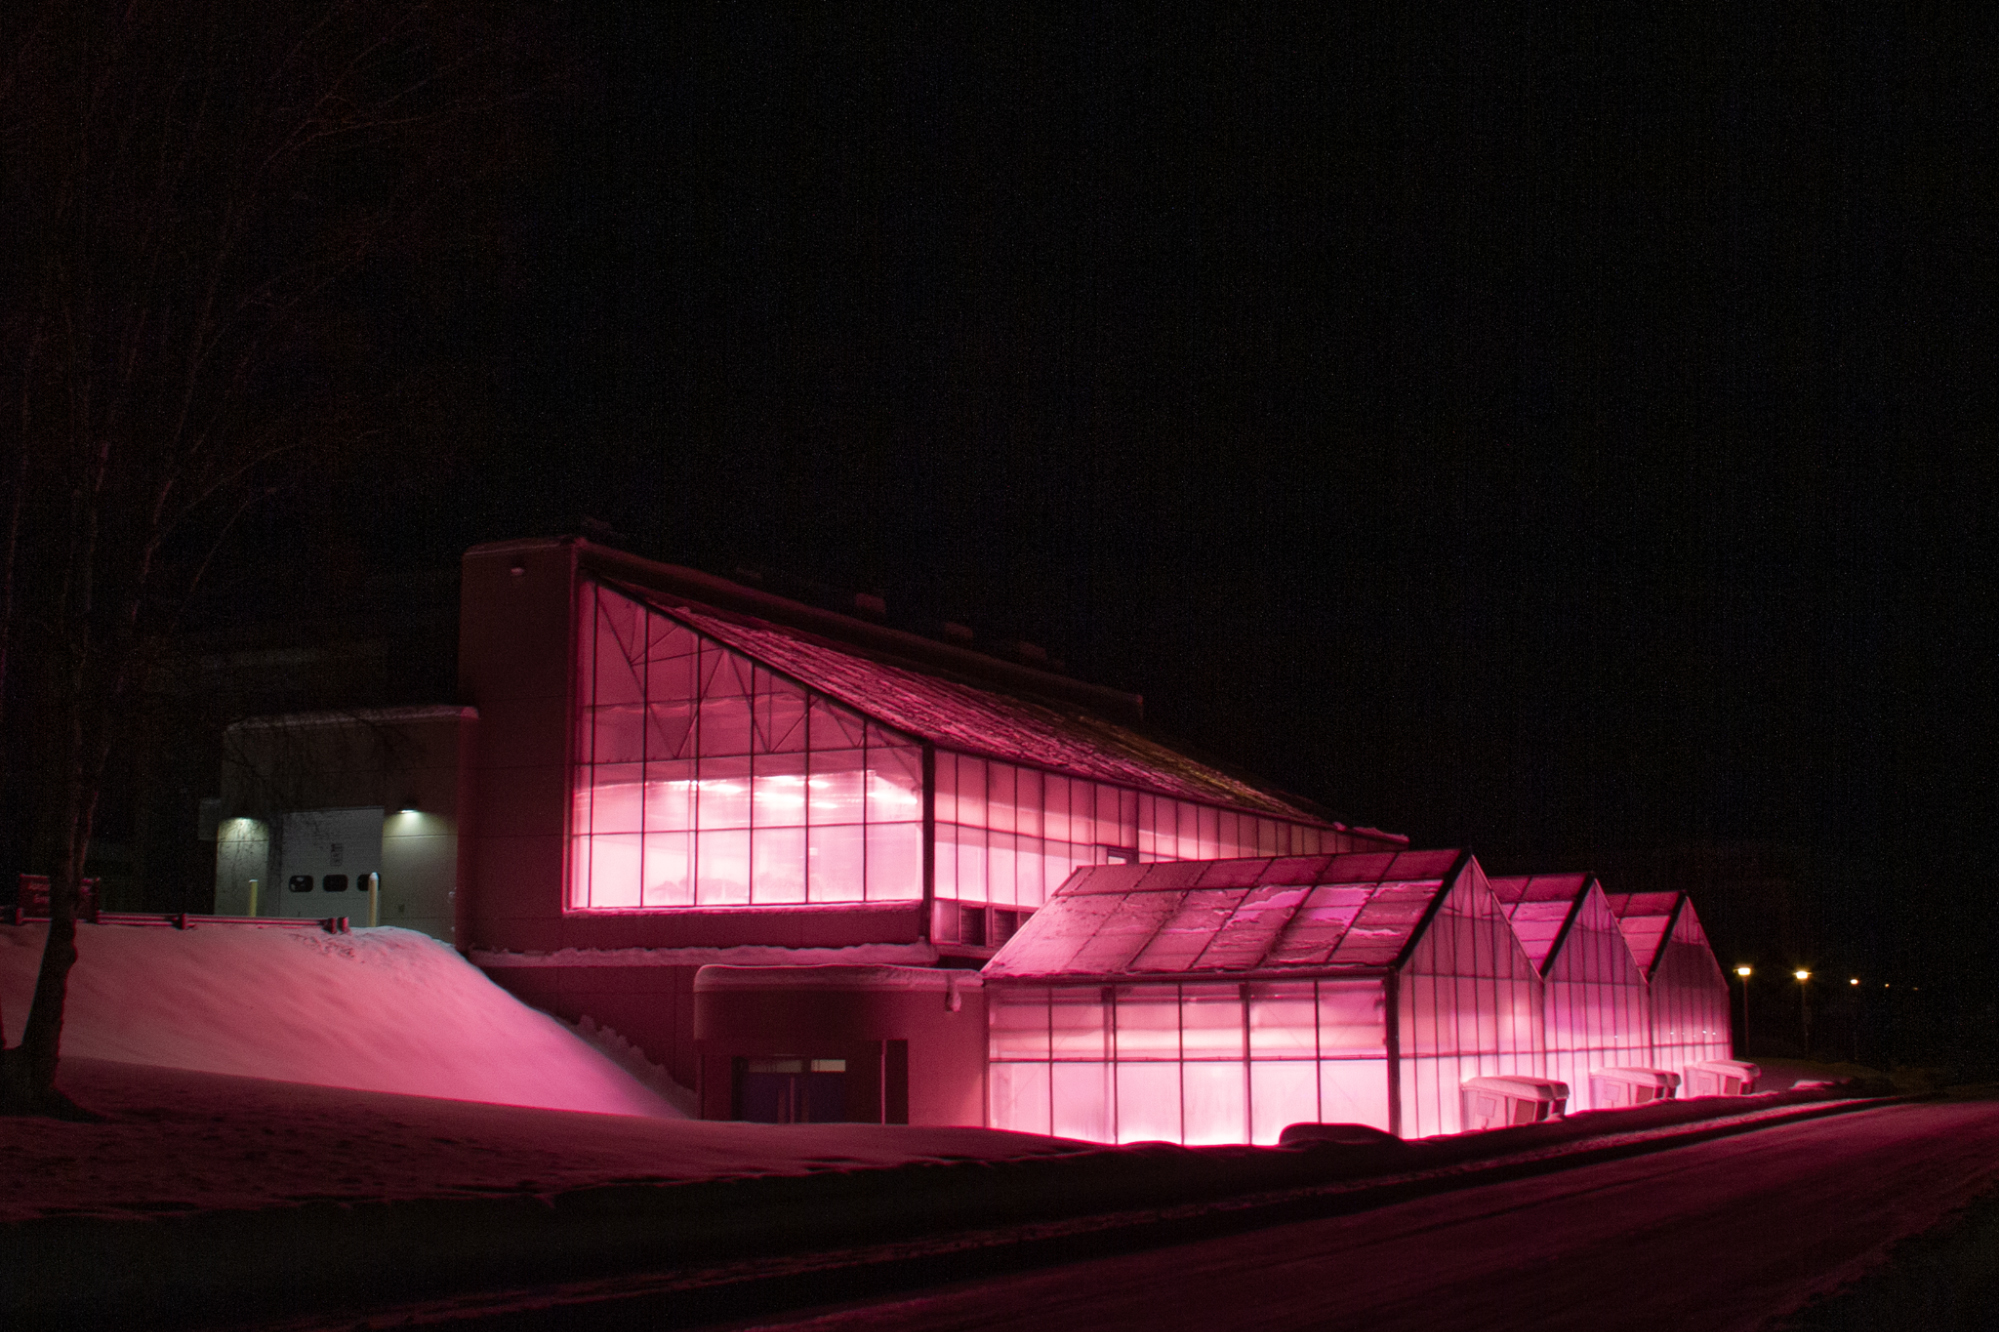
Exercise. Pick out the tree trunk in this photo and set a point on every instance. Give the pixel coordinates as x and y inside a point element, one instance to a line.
<point>89,696</point>
<point>27,1079</point>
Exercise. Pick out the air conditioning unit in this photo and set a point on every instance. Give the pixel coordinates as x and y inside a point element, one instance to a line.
<point>1494,1101</point>
<point>1631,1086</point>
<point>1721,1078</point>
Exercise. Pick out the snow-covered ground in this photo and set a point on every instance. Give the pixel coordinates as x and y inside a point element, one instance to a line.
<point>246,1067</point>
<point>382,1009</point>
<point>177,1142</point>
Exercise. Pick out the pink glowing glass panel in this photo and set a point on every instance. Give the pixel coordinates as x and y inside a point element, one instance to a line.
<point>1229,1061</point>
<point>1189,1063</point>
<point>1594,996</point>
<point>1011,835</point>
<point>719,763</point>
<point>1689,997</point>
<point>704,779</point>
<point>968,720</point>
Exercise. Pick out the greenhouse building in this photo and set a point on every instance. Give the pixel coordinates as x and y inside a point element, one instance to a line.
<point>1594,1001</point>
<point>1686,994</point>
<point>817,866</point>
<point>1221,1002</point>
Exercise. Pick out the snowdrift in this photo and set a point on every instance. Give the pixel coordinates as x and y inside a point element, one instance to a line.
<point>382,1009</point>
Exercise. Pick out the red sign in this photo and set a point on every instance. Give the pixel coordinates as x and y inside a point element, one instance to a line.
<point>34,898</point>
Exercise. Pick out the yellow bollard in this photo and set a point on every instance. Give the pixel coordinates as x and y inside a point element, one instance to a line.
<point>374,899</point>
<point>253,897</point>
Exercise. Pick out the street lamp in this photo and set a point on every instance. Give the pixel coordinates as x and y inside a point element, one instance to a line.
<point>1804,1009</point>
<point>1743,972</point>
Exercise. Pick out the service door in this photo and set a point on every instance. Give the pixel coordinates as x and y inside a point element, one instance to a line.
<point>324,860</point>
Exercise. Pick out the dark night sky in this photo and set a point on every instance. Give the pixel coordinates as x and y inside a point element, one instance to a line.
<point>1548,433</point>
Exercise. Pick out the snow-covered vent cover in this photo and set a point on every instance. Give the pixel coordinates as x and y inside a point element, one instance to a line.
<point>1262,915</point>
<point>385,1010</point>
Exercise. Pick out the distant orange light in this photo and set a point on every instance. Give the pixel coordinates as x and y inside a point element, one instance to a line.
<point>1742,971</point>
<point>1802,975</point>
<point>1854,982</point>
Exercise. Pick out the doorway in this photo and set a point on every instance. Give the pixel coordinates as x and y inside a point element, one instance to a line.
<point>791,1090</point>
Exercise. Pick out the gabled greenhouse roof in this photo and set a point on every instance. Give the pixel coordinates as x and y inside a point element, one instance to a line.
<point>1258,915</point>
<point>1646,920</point>
<point>966,718</point>
<point>1537,906</point>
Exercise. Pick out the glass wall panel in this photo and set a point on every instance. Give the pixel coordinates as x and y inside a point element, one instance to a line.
<point>1078,1024</point>
<point>1020,1097</point>
<point>1354,1092</point>
<point>1595,1001</point>
<point>1471,1004</point>
<point>1080,1093</point>
<point>777,861</point>
<point>1148,1023</point>
<point>1352,1019</point>
<point>1148,1101</point>
<point>1282,1092</point>
<point>1214,1102</point>
<point>1689,998</point>
<point>1211,1022</point>
<point>1177,1063</point>
<point>836,860</point>
<point>1282,1022</point>
<point>1001,868</point>
<point>894,861</point>
<point>703,779</point>
<point>669,870</point>
<point>1017,1023</point>
<point>1011,835</point>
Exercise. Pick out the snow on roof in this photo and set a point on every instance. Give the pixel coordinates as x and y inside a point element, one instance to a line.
<point>1536,906</point>
<point>1261,914</point>
<point>967,718</point>
<point>1645,920</point>
<point>383,1009</point>
<point>724,976</point>
<point>351,717</point>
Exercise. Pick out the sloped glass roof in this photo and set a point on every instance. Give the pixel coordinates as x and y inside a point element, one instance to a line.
<point>1645,919</point>
<point>1295,913</point>
<point>983,722</point>
<point>1536,906</point>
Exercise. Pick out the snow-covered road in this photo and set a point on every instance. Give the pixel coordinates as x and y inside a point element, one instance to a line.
<point>1731,1233</point>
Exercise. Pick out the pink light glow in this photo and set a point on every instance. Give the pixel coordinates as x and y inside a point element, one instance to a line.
<point>706,780</point>
<point>704,777</point>
<point>1232,1061</point>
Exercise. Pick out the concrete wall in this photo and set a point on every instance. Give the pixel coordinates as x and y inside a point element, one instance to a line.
<point>848,1013</point>
<point>411,763</point>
